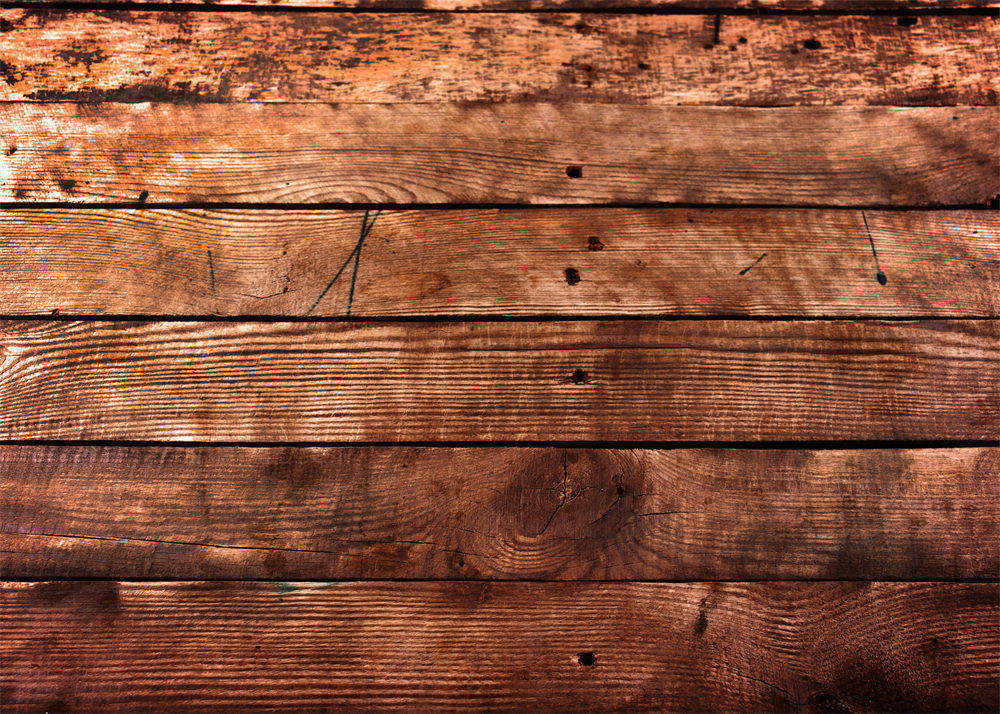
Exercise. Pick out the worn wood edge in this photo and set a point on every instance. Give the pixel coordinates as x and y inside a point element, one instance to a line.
<point>490,262</point>
<point>442,381</point>
<point>653,59</point>
<point>494,154</point>
<point>903,7</point>
<point>347,513</point>
<point>775,647</point>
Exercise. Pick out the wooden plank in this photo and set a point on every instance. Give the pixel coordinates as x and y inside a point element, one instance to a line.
<point>856,6</point>
<point>138,56</point>
<point>887,647</point>
<point>345,513</point>
<point>515,153</point>
<point>500,262</point>
<point>616,380</point>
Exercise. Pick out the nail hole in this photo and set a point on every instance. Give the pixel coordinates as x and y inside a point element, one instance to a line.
<point>143,196</point>
<point>880,276</point>
<point>586,658</point>
<point>812,44</point>
<point>67,185</point>
<point>572,276</point>
<point>574,171</point>
<point>594,243</point>
<point>906,21</point>
<point>742,40</point>
<point>578,376</point>
<point>619,489</point>
<point>11,150</point>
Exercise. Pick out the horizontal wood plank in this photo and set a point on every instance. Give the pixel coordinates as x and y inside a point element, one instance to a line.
<point>500,262</point>
<point>674,380</point>
<point>856,6</point>
<point>516,153</point>
<point>887,647</point>
<point>139,56</point>
<point>387,512</point>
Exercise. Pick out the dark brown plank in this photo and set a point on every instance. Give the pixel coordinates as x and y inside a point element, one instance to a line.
<point>857,6</point>
<point>142,56</point>
<point>381,512</point>
<point>616,380</point>
<point>501,262</point>
<point>886,647</point>
<point>516,153</point>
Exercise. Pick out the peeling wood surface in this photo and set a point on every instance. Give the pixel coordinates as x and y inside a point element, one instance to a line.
<point>139,56</point>
<point>506,153</point>
<point>856,6</point>
<point>613,380</point>
<point>589,261</point>
<point>109,646</point>
<point>287,513</point>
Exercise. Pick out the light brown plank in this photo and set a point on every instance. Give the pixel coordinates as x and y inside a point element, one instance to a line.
<point>886,647</point>
<point>519,153</point>
<point>500,262</point>
<point>443,57</point>
<point>388,512</point>
<point>617,380</point>
<point>857,6</point>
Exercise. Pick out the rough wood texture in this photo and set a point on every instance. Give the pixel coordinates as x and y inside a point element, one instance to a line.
<point>105,646</point>
<point>366,512</point>
<point>500,262</point>
<point>687,380</point>
<point>521,153</point>
<point>858,6</point>
<point>443,57</point>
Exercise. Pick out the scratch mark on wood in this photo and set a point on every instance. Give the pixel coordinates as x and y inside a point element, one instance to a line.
<point>879,275</point>
<point>354,255</point>
<point>211,270</point>
<point>747,269</point>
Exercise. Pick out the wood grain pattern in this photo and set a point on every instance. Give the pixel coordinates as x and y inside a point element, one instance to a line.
<point>443,57</point>
<point>857,6</point>
<point>105,646</point>
<point>520,153</point>
<point>500,262</point>
<point>344,513</point>
<point>687,380</point>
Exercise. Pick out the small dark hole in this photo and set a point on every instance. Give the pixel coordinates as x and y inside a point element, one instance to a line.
<point>643,65</point>
<point>619,489</point>
<point>67,185</point>
<point>11,150</point>
<point>572,276</point>
<point>594,243</point>
<point>143,196</point>
<point>812,44</point>
<point>732,48</point>
<point>578,376</point>
<point>906,21</point>
<point>880,276</point>
<point>586,658</point>
<point>574,171</point>
<point>742,40</point>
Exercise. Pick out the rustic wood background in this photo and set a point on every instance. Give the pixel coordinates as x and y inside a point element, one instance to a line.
<point>500,355</point>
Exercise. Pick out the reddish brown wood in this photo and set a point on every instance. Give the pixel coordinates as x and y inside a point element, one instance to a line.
<point>614,380</point>
<point>508,153</point>
<point>105,646</point>
<point>500,262</point>
<point>857,6</point>
<point>443,57</point>
<point>379,512</point>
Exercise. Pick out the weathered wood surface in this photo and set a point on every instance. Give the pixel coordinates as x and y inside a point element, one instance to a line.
<point>138,56</point>
<point>519,153</point>
<point>578,380</point>
<point>856,6</point>
<point>106,646</point>
<point>500,262</point>
<point>344,513</point>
